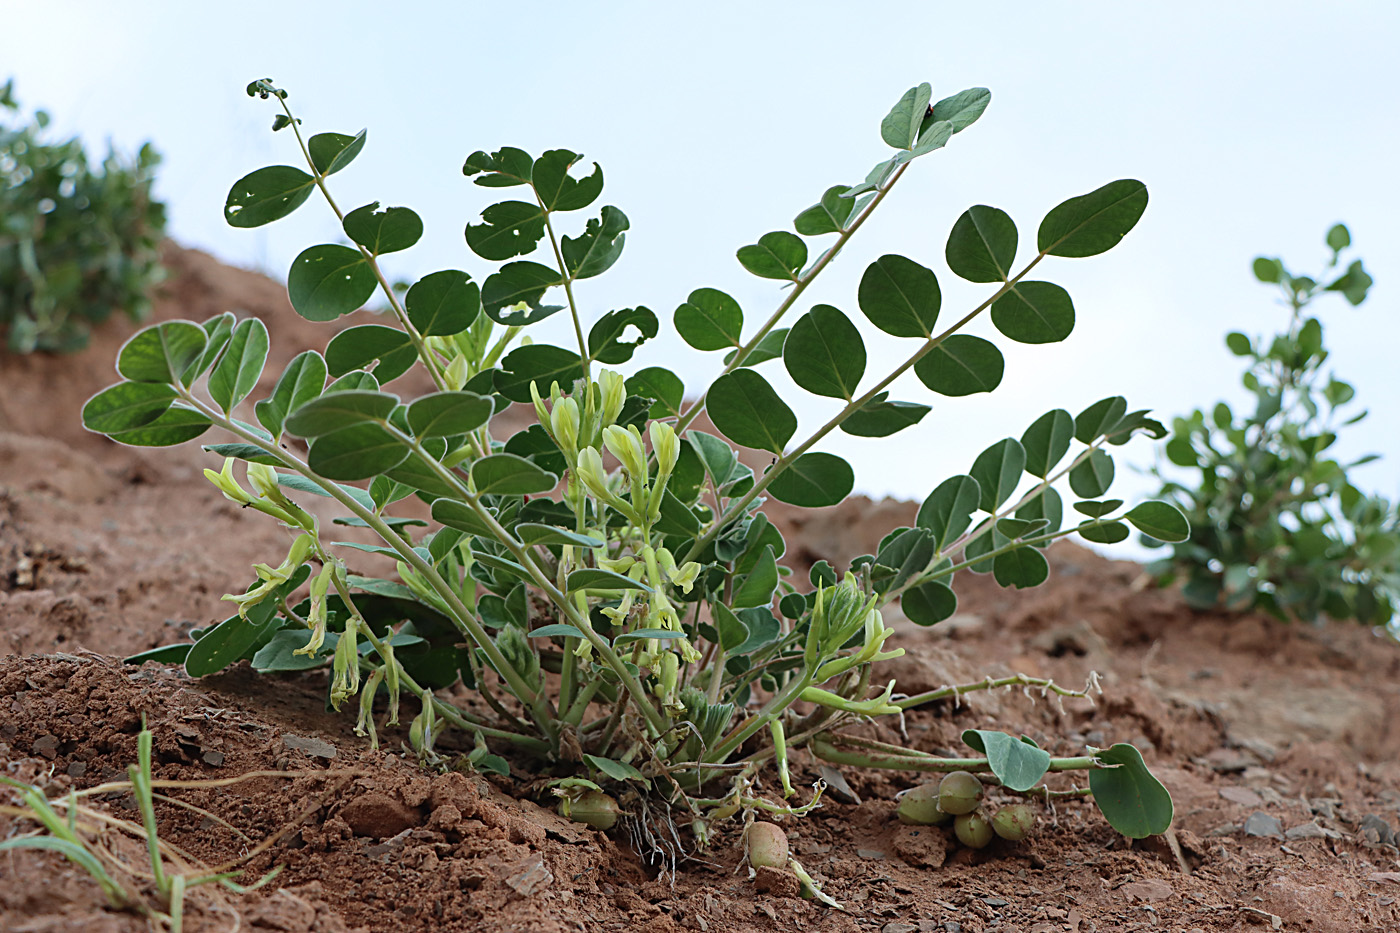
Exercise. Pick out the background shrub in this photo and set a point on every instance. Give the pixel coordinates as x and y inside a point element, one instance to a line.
<point>76,243</point>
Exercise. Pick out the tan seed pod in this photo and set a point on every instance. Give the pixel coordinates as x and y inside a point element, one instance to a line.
<point>919,807</point>
<point>593,808</point>
<point>1014,822</point>
<point>960,792</point>
<point>767,845</point>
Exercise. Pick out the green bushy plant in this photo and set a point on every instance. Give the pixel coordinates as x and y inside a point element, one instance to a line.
<point>76,242</point>
<point>627,620</point>
<point>1276,523</point>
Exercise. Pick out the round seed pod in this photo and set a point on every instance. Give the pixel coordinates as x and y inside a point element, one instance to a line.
<point>973,830</point>
<point>1014,822</point>
<point>593,808</point>
<point>768,846</point>
<point>959,793</point>
<point>919,807</point>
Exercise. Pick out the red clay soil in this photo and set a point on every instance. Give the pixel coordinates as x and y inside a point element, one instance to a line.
<point>107,550</point>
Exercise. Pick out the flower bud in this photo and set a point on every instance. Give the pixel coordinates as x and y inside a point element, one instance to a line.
<point>666,445</point>
<point>227,484</point>
<point>590,472</point>
<point>346,665</point>
<point>626,446</point>
<point>455,376</point>
<point>614,390</point>
<point>564,420</point>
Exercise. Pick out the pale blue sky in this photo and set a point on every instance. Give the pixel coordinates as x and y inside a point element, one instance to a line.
<point>1256,125</point>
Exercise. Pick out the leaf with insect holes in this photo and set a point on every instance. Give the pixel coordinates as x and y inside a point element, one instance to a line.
<point>444,303</point>
<point>383,231</point>
<point>328,281</point>
<point>331,152</point>
<point>266,195</point>
<point>508,229</point>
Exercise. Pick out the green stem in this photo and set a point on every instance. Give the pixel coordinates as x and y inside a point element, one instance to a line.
<point>893,757</point>
<point>584,357</point>
<point>1016,680</point>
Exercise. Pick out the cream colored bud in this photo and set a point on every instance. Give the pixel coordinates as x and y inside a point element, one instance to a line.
<point>626,446</point>
<point>455,376</point>
<point>590,472</point>
<point>565,422</point>
<point>666,445</point>
<point>263,479</point>
<point>614,389</point>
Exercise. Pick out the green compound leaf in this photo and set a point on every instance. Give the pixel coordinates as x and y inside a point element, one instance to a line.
<point>249,452</point>
<point>901,125</point>
<point>1132,800</point>
<point>947,512</point>
<point>595,250</point>
<point>300,382</point>
<point>710,320</point>
<point>357,347</point>
<point>241,365</point>
<point>814,480</point>
<point>824,353</point>
<point>828,215</point>
<point>1106,533</point>
<point>1096,420</point>
<point>443,414</point>
<point>331,152</point>
<point>769,348</point>
<point>174,426</point>
<point>518,282</point>
<point>456,514</point>
<point>1092,476</point>
<point>327,281</point>
<point>1017,764</point>
<point>732,630</point>
<point>881,418</point>
<point>1047,507</point>
<point>361,451</point>
<point>777,255</point>
<point>560,191</point>
<point>596,578</point>
<point>962,109</point>
<point>161,352</point>
<point>961,365</point>
<point>266,195</point>
<point>444,303</point>
<point>1047,441</point>
<point>759,584</point>
<point>504,168</point>
<point>532,533</point>
<point>900,297</point>
<point>998,471</point>
<point>1034,312</point>
<point>509,229</point>
<point>1098,509</point>
<point>386,231</point>
<point>982,245</point>
<point>126,405</point>
<point>302,484</point>
<point>1022,568</point>
<point>747,411</point>
<point>220,329</point>
<point>1160,520</point>
<point>605,343</point>
<point>541,363</point>
<point>1095,222</point>
<point>509,475</point>
<point>928,603</point>
<point>336,410</point>
<point>662,385</point>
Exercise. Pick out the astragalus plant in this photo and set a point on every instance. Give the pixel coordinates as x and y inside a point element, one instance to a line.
<point>605,579</point>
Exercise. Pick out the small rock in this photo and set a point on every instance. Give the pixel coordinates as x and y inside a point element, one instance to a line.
<point>870,853</point>
<point>1262,824</point>
<point>214,759</point>
<point>47,746</point>
<point>317,748</point>
<point>1149,889</point>
<point>1374,829</point>
<point>895,927</point>
<point>1229,760</point>
<point>77,769</point>
<point>1392,876</point>
<point>994,902</point>
<point>1311,831</point>
<point>1242,796</point>
<point>531,877</point>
